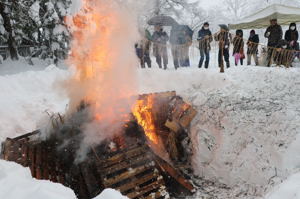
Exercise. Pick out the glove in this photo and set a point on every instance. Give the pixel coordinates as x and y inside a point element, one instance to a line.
<point>226,46</point>
<point>268,34</point>
<point>292,43</point>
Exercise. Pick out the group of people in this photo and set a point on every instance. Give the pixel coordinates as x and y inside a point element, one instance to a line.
<point>279,51</point>
<point>180,40</point>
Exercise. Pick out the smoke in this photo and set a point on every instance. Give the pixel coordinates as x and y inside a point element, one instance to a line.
<point>104,65</point>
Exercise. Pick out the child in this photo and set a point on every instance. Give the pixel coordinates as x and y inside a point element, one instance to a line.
<point>238,47</point>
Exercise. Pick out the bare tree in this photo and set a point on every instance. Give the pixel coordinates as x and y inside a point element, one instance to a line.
<point>236,8</point>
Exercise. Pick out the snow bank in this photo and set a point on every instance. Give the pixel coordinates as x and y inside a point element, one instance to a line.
<point>27,96</point>
<point>289,189</point>
<point>16,183</point>
<point>110,194</point>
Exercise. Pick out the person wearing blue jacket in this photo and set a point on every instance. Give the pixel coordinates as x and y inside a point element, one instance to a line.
<point>204,39</point>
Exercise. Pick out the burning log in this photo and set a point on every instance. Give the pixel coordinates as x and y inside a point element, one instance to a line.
<point>126,162</point>
<point>181,114</point>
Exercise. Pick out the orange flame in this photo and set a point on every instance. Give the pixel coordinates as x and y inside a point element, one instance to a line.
<point>144,115</point>
<point>103,59</point>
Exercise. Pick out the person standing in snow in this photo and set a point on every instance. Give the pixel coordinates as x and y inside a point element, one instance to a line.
<point>238,47</point>
<point>176,43</point>
<point>204,39</point>
<point>292,36</point>
<point>160,39</point>
<point>187,41</point>
<point>181,40</point>
<point>143,52</point>
<point>224,38</point>
<point>252,50</point>
<point>142,48</point>
<point>274,35</point>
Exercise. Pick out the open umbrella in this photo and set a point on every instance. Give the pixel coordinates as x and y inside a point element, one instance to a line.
<point>162,20</point>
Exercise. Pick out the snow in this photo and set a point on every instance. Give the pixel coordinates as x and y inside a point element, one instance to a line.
<point>16,183</point>
<point>289,189</point>
<point>111,194</point>
<point>26,97</point>
<point>246,134</point>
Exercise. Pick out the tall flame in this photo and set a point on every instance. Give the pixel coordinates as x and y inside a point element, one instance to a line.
<point>103,59</point>
<point>142,111</point>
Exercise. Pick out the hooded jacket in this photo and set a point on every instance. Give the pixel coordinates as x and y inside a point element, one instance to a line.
<point>291,35</point>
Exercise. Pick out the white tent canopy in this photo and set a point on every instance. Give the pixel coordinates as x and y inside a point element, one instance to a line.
<point>284,14</point>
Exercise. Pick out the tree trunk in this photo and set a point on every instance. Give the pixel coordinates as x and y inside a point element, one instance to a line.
<point>8,27</point>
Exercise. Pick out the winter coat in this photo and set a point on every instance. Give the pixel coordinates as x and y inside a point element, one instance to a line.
<point>275,35</point>
<point>204,43</point>
<point>253,44</point>
<point>238,45</point>
<point>143,47</point>
<point>292,36</point>
<point>160,37</point>
<point>224,38</point>
<point>181,35</point>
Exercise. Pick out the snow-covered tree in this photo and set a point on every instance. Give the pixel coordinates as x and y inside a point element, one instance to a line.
<point>38,23</point>
<point>9,34</point>
<point>53,36</point>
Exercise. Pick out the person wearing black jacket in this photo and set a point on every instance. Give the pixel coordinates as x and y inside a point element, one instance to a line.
<point>274,34</point>
<point>160,39</point>
<point>252,50</point>
<point>292,36</point>
<point>204,38</point>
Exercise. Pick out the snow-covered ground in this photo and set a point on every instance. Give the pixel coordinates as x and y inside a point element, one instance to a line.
<point>16,183</point>
<point>246,134</point>
<point>27,94</point>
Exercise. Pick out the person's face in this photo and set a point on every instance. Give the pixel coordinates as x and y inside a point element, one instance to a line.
<point>206,27</point>
<point>273,22</point>
<point>157,28</point>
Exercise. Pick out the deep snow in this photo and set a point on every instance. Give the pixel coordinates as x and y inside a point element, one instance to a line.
<point>16,183</point>
<point>246,134</point>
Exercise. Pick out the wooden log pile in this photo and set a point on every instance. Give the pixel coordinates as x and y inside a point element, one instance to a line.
<point>130,167</point>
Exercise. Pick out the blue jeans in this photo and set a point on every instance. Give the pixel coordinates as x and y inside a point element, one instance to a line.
<point>204,53</point>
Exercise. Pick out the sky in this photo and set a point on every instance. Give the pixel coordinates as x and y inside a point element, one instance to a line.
<point>208,3</point>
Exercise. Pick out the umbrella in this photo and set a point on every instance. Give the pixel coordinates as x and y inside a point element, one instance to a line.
<point>188,30</point>
<point>224,26</point>
<point>162,20</point>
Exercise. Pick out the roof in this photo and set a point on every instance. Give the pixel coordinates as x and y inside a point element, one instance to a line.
<point>284,14</point>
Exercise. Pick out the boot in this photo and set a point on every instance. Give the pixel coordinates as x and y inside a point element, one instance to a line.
<point>227,64</point>
<point>206,65</point>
